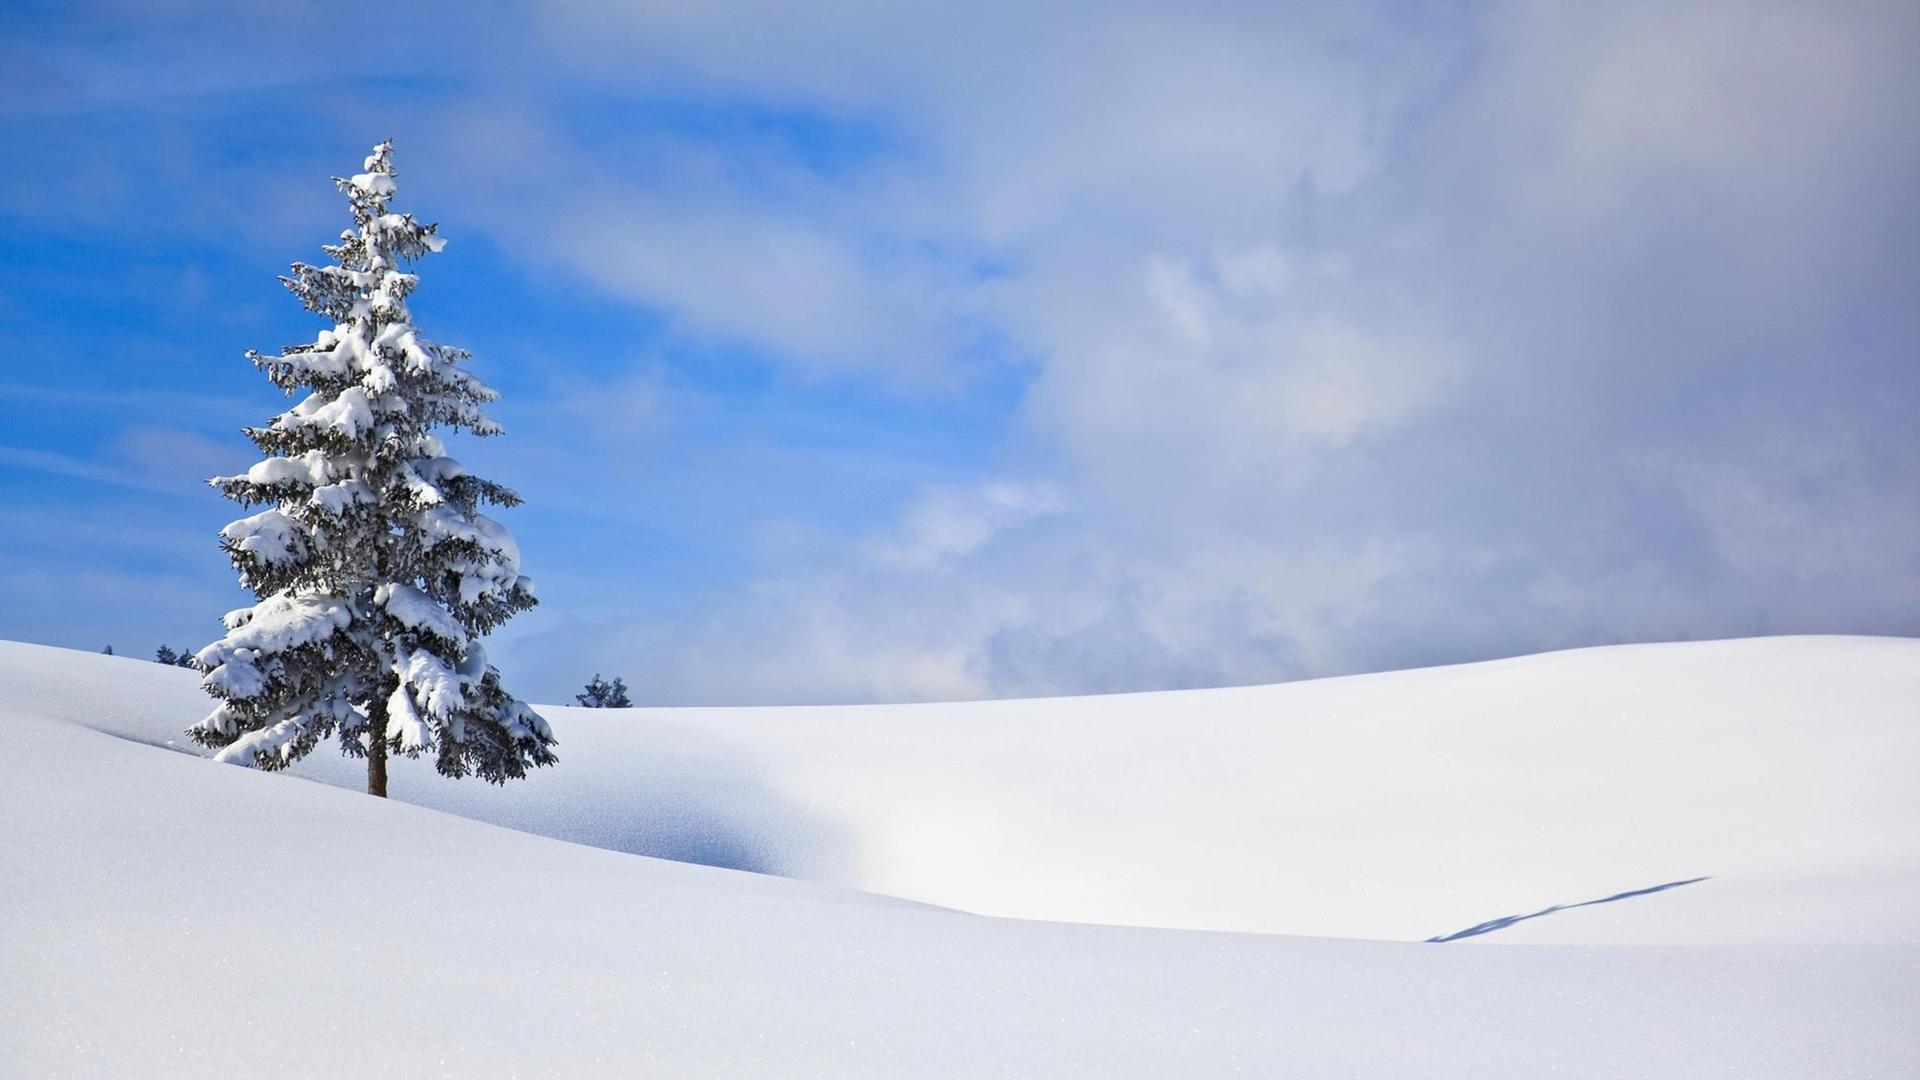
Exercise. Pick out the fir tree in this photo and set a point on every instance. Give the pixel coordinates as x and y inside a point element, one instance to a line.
<point>375,571</point>
<point>166,655</point>
<point>601,694</point>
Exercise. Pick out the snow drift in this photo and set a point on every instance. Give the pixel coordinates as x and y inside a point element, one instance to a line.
<point>1403,806</point>
<point>164,915</point>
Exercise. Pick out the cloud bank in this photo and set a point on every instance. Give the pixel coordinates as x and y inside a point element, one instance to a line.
<point>1339,339</point>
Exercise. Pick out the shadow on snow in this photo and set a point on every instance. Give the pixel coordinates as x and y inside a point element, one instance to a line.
<point>1503,922</point>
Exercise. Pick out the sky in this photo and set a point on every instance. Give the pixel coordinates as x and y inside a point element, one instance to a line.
<point>901,351</point>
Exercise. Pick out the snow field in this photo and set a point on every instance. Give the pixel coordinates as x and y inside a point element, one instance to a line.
<point>164,915</point>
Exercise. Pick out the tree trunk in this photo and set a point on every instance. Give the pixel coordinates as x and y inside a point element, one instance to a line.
<point>377,750</point>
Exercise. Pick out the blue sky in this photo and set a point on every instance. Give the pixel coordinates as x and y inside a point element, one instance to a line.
<point>903,351</point>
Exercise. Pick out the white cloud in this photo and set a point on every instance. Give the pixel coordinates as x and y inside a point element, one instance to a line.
<point>947,524</point>
<point>1357,336</point>
<point>1354,338</point>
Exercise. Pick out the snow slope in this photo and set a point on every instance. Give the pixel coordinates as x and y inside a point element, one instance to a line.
<point>1785,771</point>
<point>163,915</point>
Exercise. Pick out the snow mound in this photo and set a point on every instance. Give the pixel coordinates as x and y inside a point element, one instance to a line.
<point>163,915</point>
<point>1783,771</point>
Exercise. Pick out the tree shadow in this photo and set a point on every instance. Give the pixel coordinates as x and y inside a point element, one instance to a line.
<point>689,797</point>
<point>677,794</point>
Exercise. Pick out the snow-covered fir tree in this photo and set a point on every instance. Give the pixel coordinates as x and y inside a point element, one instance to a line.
<point>375,571</point>
<point>601,694</point>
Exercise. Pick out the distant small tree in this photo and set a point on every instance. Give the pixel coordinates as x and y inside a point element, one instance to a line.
<point>601,694</point>
<point>375,572</point>
<point>166,655</point>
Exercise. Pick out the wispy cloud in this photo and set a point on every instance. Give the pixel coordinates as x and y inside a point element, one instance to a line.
<point>55,463</point>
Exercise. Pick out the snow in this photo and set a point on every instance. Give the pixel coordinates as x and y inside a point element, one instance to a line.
<point>335,498</point>
<point>269,536</point>
<point>405,723</point>
<point>161,915</point>
<point>345,350</point>
<point>437,470</point>
<point>438,687</point>
<point>380,379</point>
<point>496,568</point>
<point>274,625</point>
<point>379,185</point>
<point>424,476</point>
<point>348,413</point>
<point>273,741</point>
<point>1781,769</point>
<point>417,611</point>
<point>403,339</point>
<point>308,469</point>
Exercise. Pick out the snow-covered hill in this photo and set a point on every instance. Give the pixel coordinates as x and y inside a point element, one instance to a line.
<point>163,915</point>
<point>1785,771</point>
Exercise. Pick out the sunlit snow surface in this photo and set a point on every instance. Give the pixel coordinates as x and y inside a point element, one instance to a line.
<point>163,915</point>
